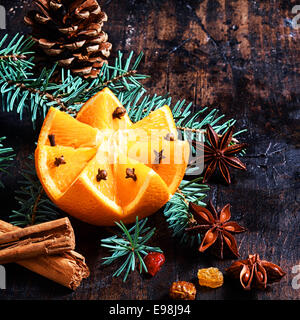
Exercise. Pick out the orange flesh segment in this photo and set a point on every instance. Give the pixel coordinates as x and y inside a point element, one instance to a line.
<point>98,112</point>
<point>86,202</point>
<point>67,131</point>
<point>98,205</point>
<point>167,159</point>
<point>57,178</point>
<point>140,196</point>
<point>157,124</point>
<point>107,187</point>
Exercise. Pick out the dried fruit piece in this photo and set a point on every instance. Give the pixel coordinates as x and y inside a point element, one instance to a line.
<point>154,261</point>
<point>210,277</point>
<point>183,290</point>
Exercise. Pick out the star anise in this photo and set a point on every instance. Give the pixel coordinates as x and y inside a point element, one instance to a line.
<point>217,229</point>
<point>219,154</point>
<point>255,273</point>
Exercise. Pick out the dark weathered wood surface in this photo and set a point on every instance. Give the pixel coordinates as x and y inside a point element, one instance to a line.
<point>241,56</point>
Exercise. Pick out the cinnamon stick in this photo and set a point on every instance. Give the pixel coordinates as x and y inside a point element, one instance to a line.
<point>51,238</point>
<point>68,268</point>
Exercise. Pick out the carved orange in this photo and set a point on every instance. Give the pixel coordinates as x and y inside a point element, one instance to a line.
<point>102,168</point>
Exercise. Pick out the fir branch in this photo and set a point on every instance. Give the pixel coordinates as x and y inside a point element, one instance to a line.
<point>119,77</point>
<point>22,92</point>
<point>177,209</point>
<point>202,131</point>
<point>6,157</point>
<point>14,57</point>
<point>128,247</point>
<point>178,217</point>
<point>34,205</point>
<point>41,94</point>
<point>17,54</point>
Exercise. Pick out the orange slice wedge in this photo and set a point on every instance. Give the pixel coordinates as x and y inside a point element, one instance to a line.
<point>157,124</point>
<point>67,131</point>
<point>93,200</point>
<point>168,159</point>
<point>98,112</point>
<point>57,167</point>
<point>140,190</point>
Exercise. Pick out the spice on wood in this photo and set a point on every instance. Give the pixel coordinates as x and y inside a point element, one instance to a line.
<point>216,229</point>
<point>48,238</point>
<point>220,153</point>
<point>254,272</point>
<point>67,268</point>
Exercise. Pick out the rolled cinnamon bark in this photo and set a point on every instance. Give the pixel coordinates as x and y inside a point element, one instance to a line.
<point>67,269</point>
<point>48,238</point>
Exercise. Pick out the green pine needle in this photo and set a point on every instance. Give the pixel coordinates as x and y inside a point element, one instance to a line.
<point>128,247</point>
<point>177,210</point>
<point>6,156</point>
<point>16,55</point>
<point>34,205</point>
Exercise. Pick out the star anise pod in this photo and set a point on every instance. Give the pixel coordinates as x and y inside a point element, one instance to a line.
<point>217,228</point>
<point>255,273</point>
<point>219,154</point>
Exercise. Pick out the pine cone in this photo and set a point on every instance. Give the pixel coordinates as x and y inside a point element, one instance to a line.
<point>70,32</point>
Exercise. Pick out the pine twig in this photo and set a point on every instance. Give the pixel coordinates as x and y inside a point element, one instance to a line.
<point>43,94</point>
<point>35,206</point>
<point>14,57</point>
<point>202,131</point>
<point>6,157</point>
<point>119,77</point>
<point>177,211</point>
<point>128,247</point>
<point>179,191</point>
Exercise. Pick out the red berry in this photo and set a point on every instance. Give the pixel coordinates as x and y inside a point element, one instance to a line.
<point>154,261</point>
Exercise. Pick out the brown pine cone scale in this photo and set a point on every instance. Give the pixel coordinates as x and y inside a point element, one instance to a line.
<point>70,33</point>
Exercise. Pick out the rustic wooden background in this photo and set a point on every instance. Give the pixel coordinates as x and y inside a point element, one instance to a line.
<point>241,56</point>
